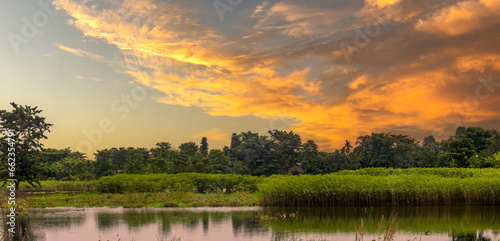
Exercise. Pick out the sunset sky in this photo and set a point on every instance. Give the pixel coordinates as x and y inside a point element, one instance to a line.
<point>114,73</point>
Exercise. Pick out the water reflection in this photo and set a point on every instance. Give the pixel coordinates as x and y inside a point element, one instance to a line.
<point>442,219</point>
<point>256,223</point>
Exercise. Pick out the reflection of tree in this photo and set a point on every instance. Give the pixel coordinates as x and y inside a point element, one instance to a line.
<point>137,219</point>
<point>237,222</point>
<point>24,231</point>
<point>205,221</point>
<point>165,223</point>
<point>106,221</point>
<point>243,223</point>
<point>437,219</point>
<point>470,237</point>
<point>56,219</point>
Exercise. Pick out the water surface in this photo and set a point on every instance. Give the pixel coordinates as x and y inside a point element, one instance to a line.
<point>263,223</point>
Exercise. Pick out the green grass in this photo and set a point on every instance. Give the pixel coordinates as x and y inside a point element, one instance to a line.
<point>160,199</point>
<point>365,187</point>
<point>60,186</point>
<point>385,187</point>
<point>185,182</point>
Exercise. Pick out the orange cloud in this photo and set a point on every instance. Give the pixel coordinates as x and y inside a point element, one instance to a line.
<point>80,53</point>
<point>464,17</point>
<point>382,3</point>
<point>194,65</point>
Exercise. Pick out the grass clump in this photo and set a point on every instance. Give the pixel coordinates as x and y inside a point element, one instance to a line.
<point>60,186</point>
<point>185,182</point>
<point>386,187</point>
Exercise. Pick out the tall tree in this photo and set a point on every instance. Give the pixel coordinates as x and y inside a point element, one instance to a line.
<point>103,165</point>
<point>347,147</point>
<point>135,161</point>
<point>188,148</point>
<point>466,143</point>
<point>119,157</point>
<point>204,146</point>
<point>21,131</point>
<point>286,147</point>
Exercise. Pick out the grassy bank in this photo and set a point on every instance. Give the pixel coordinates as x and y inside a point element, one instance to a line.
<point>184,182</point>
<point>385,187</point>
<point>160,199</point>
<point>365,187</point>
<point>60,186</point>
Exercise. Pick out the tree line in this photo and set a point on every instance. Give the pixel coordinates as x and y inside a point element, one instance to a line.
<point>275,153</point>
<point>278,152</point>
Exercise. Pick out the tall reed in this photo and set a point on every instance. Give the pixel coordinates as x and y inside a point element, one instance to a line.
<point>385,187</point>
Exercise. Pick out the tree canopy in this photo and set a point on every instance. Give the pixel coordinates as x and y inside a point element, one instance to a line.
<point>27,129</point>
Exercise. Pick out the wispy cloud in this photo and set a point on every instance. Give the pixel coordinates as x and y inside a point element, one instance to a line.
<point>87,78</point>
<point>80,53</point>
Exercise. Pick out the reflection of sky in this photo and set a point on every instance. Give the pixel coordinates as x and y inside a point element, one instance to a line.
<point>233,224</point>
<point>333,69</point>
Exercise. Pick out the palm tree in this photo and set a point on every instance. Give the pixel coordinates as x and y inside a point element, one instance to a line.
<point>362,143</point>
<point>347,146</point>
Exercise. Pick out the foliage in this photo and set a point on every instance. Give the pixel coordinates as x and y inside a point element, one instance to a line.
<point>104,165</point>
<point>135,161</point>
<point>204,146</point>
<point>29,129</point>
<point>188,148</point>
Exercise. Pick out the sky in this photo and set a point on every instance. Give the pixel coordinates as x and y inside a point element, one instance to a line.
<point>120,73</point>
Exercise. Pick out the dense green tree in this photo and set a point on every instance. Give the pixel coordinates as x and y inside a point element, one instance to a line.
<point>285,148</point>
<point>338,161</point>
<point>466,143</point>
<point>495,143</point>
<point>73,169</point>
<point>188,148</point>
<point>404,151</point>
<point>235,141</point>
<point>218,162</point>
<point>362,143</point>
<point>309,157</point>
<point>103,165</point>
<point>21,131</point>
<point>135,161</point>
<point>256,155</point>
<point>204,146</point>
<point>379,151</point>
<point>427,154</point>
<point>119,157</point>
<point>160,149</point>
<point>51,155</point>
